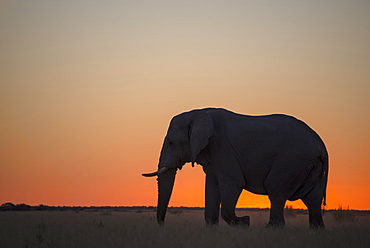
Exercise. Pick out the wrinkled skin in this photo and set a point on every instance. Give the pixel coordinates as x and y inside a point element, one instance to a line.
<point>274,155</point>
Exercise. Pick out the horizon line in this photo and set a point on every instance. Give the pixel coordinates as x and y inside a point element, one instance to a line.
<point>4,205</point>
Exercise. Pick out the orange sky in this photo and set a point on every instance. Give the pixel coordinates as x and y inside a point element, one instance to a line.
<point>87,89</point>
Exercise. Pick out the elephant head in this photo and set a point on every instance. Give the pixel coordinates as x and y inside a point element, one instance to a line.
<point>187,135</point>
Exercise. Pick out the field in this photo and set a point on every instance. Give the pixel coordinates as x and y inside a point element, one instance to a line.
<point>182,229</point>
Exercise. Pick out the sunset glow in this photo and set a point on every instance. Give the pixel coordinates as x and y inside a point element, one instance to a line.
<point>88,88</point>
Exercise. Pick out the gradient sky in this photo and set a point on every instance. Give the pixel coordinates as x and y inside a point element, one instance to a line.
<point>87,89</point>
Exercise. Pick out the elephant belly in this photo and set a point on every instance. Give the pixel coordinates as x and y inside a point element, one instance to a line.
<point>256,189</point>
<point>254,178</point>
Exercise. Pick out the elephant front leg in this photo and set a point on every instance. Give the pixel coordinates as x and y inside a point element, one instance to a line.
<point>276,213</point>
<point>229,197</point>
<point>212,209</point>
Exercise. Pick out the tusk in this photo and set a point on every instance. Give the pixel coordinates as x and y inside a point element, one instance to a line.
<point>161,170</point>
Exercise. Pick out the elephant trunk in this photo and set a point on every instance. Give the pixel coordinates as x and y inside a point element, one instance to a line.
<point>165,185</point>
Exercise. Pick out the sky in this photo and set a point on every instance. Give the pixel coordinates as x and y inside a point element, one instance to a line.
<point>88,88</point>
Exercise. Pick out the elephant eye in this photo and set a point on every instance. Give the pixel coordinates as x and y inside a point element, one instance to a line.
<point>170,143</point>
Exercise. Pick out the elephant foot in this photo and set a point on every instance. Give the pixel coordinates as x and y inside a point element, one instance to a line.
<point>245,221</point>
<point>317,226</point>
<point>275,225</point>
<point>241,221</point>
<point>211,223</point>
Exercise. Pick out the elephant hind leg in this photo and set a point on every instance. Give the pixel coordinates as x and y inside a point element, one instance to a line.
<point>313,202</point>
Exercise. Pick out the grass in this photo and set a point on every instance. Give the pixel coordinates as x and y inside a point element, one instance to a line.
<point>290,212</point>
<point>344,214</point>
<point>128,229</point>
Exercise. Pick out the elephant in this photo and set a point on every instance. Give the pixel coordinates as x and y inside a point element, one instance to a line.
<point>275,155</point>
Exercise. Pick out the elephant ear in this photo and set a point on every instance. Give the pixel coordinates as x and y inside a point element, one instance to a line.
<point>200,130</point>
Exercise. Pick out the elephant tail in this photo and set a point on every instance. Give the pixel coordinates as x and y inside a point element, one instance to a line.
<point>325,161</point>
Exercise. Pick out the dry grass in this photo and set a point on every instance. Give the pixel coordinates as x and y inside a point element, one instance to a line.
<point>186,229</point>
<point>344,214</point>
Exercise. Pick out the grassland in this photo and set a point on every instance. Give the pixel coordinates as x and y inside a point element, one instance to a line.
<point>183,229</point>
